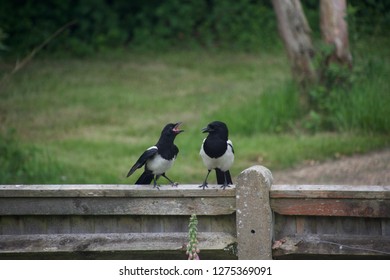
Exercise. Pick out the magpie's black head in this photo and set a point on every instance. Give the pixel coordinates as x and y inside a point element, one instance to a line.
<point>171,129</point>
<point>217,128</point>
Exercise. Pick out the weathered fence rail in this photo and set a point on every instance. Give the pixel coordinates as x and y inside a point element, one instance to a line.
<point>331,221</point>
<point>252,220</point>
<point>118,221</point>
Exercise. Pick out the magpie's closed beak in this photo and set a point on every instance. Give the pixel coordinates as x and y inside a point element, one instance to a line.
<point>217,153</point>
<point>207,129</point>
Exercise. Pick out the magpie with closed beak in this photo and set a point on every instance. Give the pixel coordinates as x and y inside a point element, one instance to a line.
<point>159,158</point>
<point>217,153</point>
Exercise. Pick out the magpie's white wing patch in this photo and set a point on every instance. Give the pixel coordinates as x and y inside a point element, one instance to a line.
<point>148,154</point>
<point>230,143</point>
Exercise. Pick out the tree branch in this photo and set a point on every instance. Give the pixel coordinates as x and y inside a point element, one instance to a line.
<point>30,56</point>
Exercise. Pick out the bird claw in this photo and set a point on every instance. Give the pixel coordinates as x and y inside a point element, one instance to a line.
<point>175,184</point>
<point>204,185</point>
<point>157,186</point>
<point>224,186</point>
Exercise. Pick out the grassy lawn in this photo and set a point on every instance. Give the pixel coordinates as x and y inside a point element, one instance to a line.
<point>88,120</point>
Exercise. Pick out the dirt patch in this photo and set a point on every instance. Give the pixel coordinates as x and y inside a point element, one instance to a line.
<point>367,169</point>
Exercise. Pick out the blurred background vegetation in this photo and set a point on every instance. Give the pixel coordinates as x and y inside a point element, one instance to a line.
<point>245,25</point>
<point>97,95</point>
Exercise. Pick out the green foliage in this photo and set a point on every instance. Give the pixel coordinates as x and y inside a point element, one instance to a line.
<point>369,17</point>
<point>274,111</point>
<point>365,17</point>
<point>244,25</point>
<point>350,99</point>
<point>103,25</point>
<point>322,103</point>
<point>29,23</point>
<point>155,25</point>
<point>168,23</point>
<point>192,246</point>
<point>3,36</point>
<point>21,164</point>
<point>364,107</point>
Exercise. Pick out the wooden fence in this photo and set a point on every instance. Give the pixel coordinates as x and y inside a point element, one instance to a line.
<point>252,220</point>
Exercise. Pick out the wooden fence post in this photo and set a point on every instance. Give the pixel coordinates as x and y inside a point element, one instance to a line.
<point>253,214</point>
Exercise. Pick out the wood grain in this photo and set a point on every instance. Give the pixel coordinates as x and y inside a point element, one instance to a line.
<point>332,207</point>
<point>37,243</point>
<point>323,245</point>
<point>117,206</point>
<point>113,191</point>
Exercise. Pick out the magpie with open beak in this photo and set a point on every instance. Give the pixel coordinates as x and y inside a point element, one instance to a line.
<point>217,153</point>
<point>159,158</point>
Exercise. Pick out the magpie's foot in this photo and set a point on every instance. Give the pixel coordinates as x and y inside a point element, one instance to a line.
<point>174,184</point>
<point>225,186</point>
<point>157,186</point>
<point>204,185</point>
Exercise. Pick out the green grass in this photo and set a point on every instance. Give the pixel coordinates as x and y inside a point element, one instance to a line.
<point>89,120</point>
<point>366,107</point>
<point>275,111</point>
<point>21,163</point>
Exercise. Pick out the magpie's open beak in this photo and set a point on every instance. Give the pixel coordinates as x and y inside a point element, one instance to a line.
<point>177,129</point>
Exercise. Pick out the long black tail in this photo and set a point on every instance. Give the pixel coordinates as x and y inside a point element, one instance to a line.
<point>220,176</point>
<point>145,179</point>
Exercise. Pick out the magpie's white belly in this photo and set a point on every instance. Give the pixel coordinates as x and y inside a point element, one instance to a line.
<point>224,162</point>
<point>158,165</point>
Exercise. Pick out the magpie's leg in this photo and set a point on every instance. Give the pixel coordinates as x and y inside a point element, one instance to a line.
<point>205,185</point>
<point>225,184</point>
<point>174,184</point>
<point>155,182</point>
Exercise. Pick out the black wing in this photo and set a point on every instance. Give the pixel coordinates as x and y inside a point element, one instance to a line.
<point>142,159</point>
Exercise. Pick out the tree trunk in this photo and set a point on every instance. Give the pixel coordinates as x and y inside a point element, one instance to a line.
<point>295,33</point>
<point>334,31</point>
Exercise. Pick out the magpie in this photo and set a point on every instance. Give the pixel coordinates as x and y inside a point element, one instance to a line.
<point>159,158</point>
<point>217,153</point>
